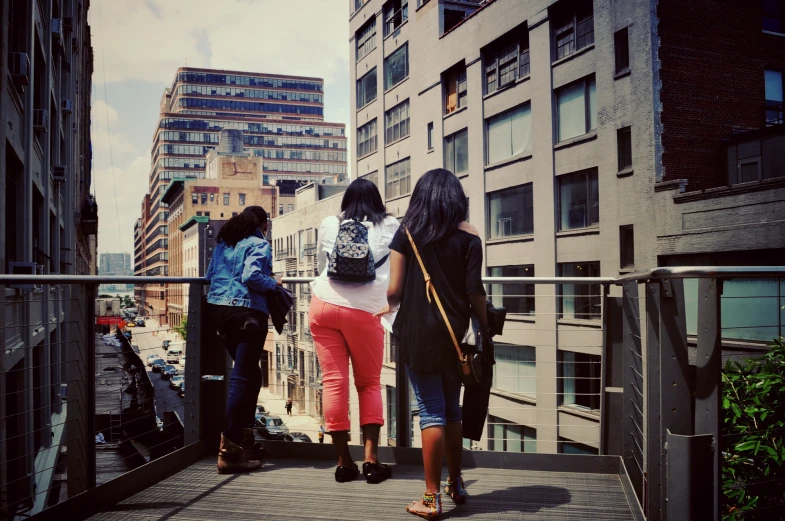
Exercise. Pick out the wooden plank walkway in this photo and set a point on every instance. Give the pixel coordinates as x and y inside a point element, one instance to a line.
<point>296,489</point>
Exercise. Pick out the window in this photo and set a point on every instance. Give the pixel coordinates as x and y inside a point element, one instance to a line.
<point>517,298</point>
<point>366,139</point>
<point>453,17</point>
<point>624,146</point>
<point>577,106</point>
<point>774,97</point>
<point>290,208</point>
<point>579,200</point>
<point>580,301</point>
<point>430,135</point>
<point>626,246</point>
<point>774,16</point>
<point>396,12</point>
<point>242,199</point>
<point>507,60</point>
<point>204,198</point>
<point>455,94</point>
<point>573,27</point>
<point>212,198</point>
<point>392,414</point>
<point>396,122</point>
<point>226,199</point>
<point>456,152</point>
<point>372,177</point>
<point>573,447</point>
<point>396,67</point>
<point>511,212</point>
<point>509,134</point>
<point>515,370</point>
<point>198,214</point>
<point>234,214</point>
<point>366,89</point>
<point>280,209</point>
<point>580,380</point>
<point>366,38</point>
<point>506,436</point>
<point>621,46</point>
<point>398,179</point>
<point>207,214</point>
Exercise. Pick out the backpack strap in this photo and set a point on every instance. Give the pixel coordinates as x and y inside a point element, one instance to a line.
<point>430,290</point>
<point>382,261</point>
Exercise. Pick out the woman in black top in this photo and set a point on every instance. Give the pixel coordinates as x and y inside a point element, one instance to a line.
<point>451,251</point>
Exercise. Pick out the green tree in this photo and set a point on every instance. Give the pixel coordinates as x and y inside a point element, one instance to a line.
<point>753,437</point>
<point>182,329</point>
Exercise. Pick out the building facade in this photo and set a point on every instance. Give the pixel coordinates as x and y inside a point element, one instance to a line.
<point>115,264</point>
<point>282,122</point>
<point>49,226</point>
<point>588,145</point>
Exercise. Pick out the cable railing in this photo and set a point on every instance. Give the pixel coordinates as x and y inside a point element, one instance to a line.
<point>597,366</point>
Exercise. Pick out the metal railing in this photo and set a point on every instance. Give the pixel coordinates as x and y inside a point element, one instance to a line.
<point>585,365</point>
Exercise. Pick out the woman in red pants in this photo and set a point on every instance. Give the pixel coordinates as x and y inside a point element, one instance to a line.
<point>343,324</point>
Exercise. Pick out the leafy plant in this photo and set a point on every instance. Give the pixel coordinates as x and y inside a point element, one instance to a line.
<point>182,329</point>
<point>753,437</point>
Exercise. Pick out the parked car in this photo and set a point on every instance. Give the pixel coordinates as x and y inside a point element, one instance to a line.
<point>152,358</point>
<point>182,389</point>
<point>166,343</point>
<point>297,437</point>
<point>271,427</point>
<point>173,355</point>
<point>158,365</point>
<point>168,372</point>
<point>139,322</point>
<point>175,381</point>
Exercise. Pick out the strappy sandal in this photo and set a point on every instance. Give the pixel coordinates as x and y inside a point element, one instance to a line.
<point>456,490</point>
<point>432,504</point>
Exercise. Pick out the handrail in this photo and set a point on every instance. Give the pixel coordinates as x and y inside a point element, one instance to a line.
<point>695,272</point>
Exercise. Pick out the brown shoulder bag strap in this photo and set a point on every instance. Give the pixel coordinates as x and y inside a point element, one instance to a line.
<point>431,290</point>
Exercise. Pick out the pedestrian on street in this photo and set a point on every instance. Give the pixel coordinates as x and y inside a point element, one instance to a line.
<point>289,407</point>
<point>321,433</point>
<point>240,277</point>
<point>353,260</point>
<point>436,250</point>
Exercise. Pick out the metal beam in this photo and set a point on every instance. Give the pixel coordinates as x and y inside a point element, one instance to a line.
<point>654,440</point>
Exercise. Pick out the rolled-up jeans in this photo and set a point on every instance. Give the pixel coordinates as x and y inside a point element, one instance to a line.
<point>438,396</point>
<point>243,331</point>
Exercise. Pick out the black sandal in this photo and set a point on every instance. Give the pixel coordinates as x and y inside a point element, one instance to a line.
<point>376,472</point>
<point>345,474</point>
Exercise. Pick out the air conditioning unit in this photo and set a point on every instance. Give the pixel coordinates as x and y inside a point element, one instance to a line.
<point>58,174</point>
<point>40,120</point>
<point>19,65</point>
<point>57,35</point>
<point>67,106</point>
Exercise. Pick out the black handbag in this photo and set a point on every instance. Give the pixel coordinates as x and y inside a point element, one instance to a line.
<point>470,358</point>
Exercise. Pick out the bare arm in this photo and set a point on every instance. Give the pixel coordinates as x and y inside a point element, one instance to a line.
<point>477,302</point>
<point>397,277</point>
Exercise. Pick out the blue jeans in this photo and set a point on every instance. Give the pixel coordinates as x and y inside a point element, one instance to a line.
<point>438,396</point>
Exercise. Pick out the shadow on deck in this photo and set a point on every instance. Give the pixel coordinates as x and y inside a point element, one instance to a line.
<point>290,488</point>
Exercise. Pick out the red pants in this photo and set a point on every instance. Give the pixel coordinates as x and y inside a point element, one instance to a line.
<point>339,334</point>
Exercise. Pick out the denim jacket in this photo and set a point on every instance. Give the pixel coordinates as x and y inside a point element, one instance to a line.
<point>241,275</point>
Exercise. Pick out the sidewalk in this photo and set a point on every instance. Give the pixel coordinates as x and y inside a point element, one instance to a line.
<point>296,422</point>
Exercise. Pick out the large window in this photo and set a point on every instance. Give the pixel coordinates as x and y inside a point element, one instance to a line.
<point>509,134</point>
<point>577,107</point>
<point>455,93</point>
<point>580,380</point>
<point>621,47</point>
<point>396,12</point>
<point>580,301</point>
<point>573,447</point>
<point>366,38</point>
<point>516,369</point>
<point>372,177</point>
<point>624,148</point>
<point>366,139</point>
<point>226,199</point>
<point>573,27</point>
<point>456,152</point>
<point>507,60</point>
<point>396,122</point>
<point>398,179</point>
<point>626,246</point>
<point>511,212</point>
<point>396,67</point>
<point>366,89</point>
<point>506,436</point>
<point>774,97</point>
<point>579,200</point>
<point>517,298</point>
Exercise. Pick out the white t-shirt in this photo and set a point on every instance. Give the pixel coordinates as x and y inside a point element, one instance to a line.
<point>369,296</point>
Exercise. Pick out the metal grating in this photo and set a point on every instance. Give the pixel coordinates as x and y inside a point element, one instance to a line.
<point>300,489</point>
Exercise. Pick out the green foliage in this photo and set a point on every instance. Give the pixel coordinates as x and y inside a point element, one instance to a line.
<point>182,329</point>
<point>128,302</point>
<point>753,432</point>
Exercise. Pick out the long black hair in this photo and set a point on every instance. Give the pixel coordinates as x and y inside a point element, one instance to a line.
<point>437,207</point>
<point>362,202</point>
<point>242,225</point>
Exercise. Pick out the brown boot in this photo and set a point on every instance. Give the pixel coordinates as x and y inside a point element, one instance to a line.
<point>231,459</point>
<point>252,450</point>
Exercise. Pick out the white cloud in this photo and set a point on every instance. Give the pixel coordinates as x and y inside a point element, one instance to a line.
<point>103,115</point>
<point>119,196</point>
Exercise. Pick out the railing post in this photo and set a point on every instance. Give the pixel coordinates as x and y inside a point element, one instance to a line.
<point>91,292</point>
<point>403,413</point>
<point>633,424</point>
<point>654,436</point>
<point>612,377</point>
<point>709,374</point>
<point>193,365</point>
<point>213,376</point>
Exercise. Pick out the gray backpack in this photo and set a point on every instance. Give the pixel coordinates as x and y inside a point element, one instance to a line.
<point>352,259</point>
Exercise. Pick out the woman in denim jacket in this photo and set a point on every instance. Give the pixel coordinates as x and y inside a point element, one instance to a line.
<point>240,276</point>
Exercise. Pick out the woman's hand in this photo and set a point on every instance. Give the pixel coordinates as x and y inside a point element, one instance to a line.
<point>278,280</point>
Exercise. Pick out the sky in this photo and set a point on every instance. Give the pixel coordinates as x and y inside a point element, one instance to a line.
<point>138,46</point>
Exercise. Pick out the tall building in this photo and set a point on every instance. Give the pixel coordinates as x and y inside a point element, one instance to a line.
<point>115,264</point>
<point>233,181</point>
<point>282,122</point>
<point>49,226</point>
<point>593,138</point>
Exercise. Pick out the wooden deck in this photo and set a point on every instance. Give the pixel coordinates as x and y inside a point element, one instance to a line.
<point>297,489</point>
